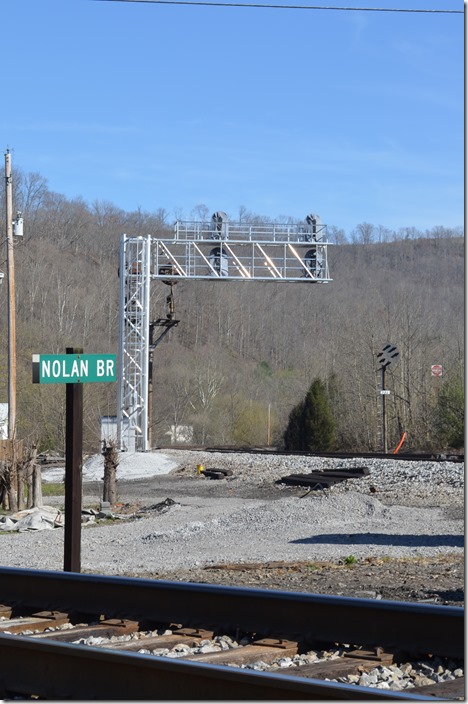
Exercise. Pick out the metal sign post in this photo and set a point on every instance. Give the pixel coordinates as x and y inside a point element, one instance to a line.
<point>384,415</point>
<point>73,474</point>
<point>73,369</point>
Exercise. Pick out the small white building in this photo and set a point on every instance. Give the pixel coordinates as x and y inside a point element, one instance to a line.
<point>180,433</point>
<point>3,421</point>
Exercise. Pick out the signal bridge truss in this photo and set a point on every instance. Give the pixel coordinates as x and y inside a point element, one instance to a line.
<point>210,251</point>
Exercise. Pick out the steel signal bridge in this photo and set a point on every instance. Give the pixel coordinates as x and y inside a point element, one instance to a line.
<point>215,250</point>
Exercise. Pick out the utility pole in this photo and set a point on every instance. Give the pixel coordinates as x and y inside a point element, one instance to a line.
<point>11,301</point>
<point>269,425</point>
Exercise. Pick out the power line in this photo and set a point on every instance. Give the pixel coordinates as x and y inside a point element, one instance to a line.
<point>288,7</point>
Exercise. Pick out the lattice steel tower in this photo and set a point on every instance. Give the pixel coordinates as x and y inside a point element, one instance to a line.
<point>212,250</point>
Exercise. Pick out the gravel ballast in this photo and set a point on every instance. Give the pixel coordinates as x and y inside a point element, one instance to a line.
<point>401,509</point>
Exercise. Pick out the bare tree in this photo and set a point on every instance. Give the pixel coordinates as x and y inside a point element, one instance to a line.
<point>111,461</point>
<point>200,212</point>
<point>363,233</point>
<point>336,235</point>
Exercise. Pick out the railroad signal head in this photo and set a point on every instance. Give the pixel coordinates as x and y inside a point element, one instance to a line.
<point>389,356</point>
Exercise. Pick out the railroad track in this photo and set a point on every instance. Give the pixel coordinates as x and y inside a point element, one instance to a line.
<point>417,457</point>
<point>76,636</point>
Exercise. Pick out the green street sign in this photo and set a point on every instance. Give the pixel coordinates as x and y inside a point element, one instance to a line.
<point>73,368</point>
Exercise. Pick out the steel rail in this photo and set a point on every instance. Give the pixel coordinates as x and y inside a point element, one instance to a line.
<point>64,671</point>
<point>412,627</point>
<point>415,456</point>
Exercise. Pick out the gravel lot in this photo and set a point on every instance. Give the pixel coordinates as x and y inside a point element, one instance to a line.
<point>247,529</point>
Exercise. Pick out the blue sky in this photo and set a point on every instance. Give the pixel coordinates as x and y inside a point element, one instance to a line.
<point>357,116</point>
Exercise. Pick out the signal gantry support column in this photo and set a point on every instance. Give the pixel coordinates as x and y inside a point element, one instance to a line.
<point>135,267</point>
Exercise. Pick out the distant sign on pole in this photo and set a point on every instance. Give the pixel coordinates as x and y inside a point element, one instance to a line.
<point>436,370</point>
<point>73,368</point>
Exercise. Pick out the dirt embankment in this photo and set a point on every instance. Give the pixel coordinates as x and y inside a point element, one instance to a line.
<point>438,579</point>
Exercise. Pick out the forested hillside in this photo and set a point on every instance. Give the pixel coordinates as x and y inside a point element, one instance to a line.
<point>244,351</point>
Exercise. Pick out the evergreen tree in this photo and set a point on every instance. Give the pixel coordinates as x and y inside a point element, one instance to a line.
<point>450,414</point>
<point>311,427</point>
<point>293,434</point>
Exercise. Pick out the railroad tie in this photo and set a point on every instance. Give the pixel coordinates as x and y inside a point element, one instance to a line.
<point>37,622</point>
<point>354,662</point>
<point>267,650</point>
<point>104,629</point>
<point>325,479</point>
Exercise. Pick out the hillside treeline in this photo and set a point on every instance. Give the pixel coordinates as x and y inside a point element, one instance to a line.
<point>244,354</point>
